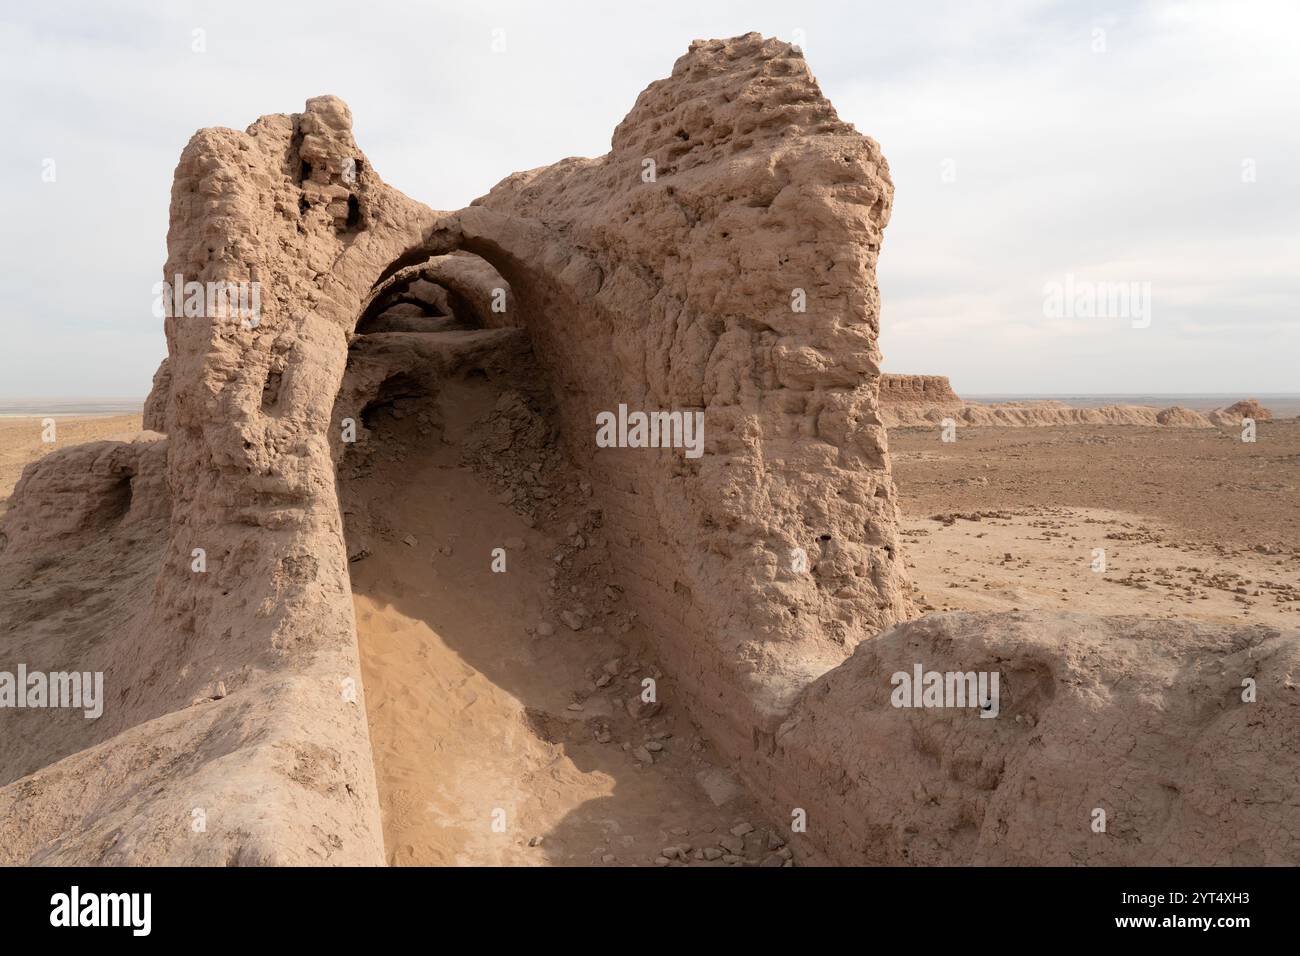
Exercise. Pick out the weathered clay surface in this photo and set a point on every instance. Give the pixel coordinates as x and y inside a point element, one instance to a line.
<point>1141,718</point>
<point>1232,416</point>
<point>81,545</point>
<point>685,290</point>
<point>1177,415</point>
<point>76,492</point>
<point>264,639</point>
<point>1040,413</point>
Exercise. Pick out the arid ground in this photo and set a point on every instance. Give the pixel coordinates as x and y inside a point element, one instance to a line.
<point>1194,523</point>
<point>481,696</point>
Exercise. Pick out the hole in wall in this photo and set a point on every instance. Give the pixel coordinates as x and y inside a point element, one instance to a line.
<point>271,391</point>
<point>115,504</point>
<point>391,395</point>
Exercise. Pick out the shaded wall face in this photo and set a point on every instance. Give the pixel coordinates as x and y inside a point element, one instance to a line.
<point>738,282</point>
<point>704,545</point>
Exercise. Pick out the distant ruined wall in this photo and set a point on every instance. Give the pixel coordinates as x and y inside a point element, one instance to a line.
<point>917,389</point>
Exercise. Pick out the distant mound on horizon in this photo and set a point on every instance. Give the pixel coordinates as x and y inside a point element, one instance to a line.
<point>908,401</point>
<point>1234,413</point>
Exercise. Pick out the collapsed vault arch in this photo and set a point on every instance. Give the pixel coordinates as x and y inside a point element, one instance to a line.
<point>667,292</point>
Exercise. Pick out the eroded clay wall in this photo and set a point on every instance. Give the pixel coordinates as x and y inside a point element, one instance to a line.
<point>737,280</point>
<point>240,696</point>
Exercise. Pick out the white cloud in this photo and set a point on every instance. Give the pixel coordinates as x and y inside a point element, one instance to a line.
<point>1122,165</point>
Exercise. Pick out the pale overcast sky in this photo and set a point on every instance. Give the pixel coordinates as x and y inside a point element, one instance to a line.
<point>1114,142</point>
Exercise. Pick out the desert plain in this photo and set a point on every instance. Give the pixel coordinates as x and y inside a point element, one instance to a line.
<point>463,677</point>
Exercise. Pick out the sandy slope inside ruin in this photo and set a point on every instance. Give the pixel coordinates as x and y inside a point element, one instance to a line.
<point>476,716</point>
